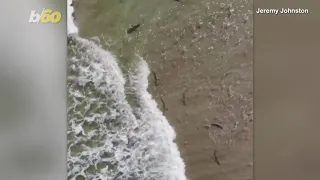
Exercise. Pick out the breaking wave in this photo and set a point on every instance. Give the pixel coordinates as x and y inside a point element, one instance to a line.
<point>115,129</point>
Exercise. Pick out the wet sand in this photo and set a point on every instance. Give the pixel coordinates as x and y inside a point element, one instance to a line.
<point>201,58</point>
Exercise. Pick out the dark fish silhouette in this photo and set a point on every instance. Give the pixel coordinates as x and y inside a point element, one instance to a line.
<point>216,157</point>
<point>133,28</point>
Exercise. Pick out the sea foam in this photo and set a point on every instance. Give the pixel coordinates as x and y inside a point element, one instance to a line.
<point>109,137</point>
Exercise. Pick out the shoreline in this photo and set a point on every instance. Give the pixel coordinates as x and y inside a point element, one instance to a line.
<point>198,86</point>
<point>175,159</point>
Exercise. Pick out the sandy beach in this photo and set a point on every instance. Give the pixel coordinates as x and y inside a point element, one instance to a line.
<point>201,57</point>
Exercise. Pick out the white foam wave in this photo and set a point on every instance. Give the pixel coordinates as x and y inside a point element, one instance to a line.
<point>163,134</point>
<point>138,141</point>
<point>108,138</point>
<point>71,27</point>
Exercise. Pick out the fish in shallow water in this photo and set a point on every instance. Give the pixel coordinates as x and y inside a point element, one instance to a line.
<point>133,28</point>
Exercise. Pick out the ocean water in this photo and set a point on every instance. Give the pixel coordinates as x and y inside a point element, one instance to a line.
<point>115,129</point>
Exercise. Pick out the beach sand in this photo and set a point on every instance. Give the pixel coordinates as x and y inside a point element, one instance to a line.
<point>201,57</point>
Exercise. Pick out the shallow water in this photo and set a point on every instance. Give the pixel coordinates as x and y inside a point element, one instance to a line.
<point>115,130</point>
